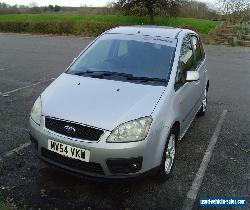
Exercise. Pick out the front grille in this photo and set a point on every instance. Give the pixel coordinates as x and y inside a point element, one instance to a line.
<point>72,163</point>
<point>77,130</point>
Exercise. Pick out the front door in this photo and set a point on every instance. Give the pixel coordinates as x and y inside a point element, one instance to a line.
<point>199,56</point>
<point>187,93</point>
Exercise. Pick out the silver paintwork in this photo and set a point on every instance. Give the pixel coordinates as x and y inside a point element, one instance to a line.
<point>70,95</point>
<point>97,103</point>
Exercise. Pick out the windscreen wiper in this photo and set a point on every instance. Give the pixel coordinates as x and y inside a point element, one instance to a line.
<point>128,76</point>
<point>147,79</point>
<point>101,74</point>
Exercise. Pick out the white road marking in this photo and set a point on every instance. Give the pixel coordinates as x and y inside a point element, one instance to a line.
<point>28,86</point>
<point>16,150</point>
<point>194,189</point>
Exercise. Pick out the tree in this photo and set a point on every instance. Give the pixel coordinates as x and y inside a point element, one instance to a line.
<point>110,4</point>
<point>57,8</point>
<point>21,6</point>
<point>196,9</point>
<point>33,4</point>
<point>234,10</point>
<point>51,8</point>
<point>171,6</point>
<point>4,5</point>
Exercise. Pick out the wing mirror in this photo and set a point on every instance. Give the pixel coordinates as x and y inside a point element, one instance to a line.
<point>192,76</point>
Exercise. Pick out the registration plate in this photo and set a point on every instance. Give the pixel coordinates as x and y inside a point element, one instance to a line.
<point>69,151</point>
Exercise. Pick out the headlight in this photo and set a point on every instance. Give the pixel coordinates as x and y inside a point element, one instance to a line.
<point>135,130</point>
<point>36,111</point>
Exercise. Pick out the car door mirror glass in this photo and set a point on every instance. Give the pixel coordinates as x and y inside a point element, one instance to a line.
<point>192,76</point>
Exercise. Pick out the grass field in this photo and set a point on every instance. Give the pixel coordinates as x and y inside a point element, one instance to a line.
<point>74,23</point>
<point>4,206</point>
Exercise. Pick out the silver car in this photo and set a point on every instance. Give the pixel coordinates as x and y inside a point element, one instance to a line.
<point>120,108</point>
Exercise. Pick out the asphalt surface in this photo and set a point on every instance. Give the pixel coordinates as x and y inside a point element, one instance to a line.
<point>27,182</point>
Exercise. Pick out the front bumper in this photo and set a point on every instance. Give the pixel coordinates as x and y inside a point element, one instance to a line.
<point>107,160</point>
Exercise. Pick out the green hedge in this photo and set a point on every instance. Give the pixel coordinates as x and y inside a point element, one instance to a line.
<point>92,24</point>
<point>85,28</point>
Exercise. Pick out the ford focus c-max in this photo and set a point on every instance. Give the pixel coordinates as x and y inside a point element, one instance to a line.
<point>121,106</point>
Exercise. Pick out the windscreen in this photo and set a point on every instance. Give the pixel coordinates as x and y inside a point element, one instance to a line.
<point>140,56</point>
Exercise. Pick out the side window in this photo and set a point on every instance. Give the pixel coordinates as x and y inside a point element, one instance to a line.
<point>186,62</point>
<point>202,50</point>
<point>187,55</point>
<point>197,50</point>
<point>180,78</point>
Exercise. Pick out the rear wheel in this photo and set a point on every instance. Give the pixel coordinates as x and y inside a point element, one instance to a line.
<point>168,159</point>
<point>203,108</point>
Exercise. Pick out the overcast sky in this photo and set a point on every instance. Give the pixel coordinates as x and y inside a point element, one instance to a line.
<point>68,2</point>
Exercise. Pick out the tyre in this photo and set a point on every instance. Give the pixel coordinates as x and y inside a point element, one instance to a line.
<point>168,158</point>
<point>203,108</point>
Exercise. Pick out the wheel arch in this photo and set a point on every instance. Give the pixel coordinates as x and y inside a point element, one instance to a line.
<point>173,126</point>
<point>176,129</point>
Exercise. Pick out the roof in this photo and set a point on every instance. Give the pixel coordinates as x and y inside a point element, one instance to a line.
<point>144,30</point>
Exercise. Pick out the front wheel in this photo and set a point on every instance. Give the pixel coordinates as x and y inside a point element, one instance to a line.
<point>168,159</point>
<point>203,108</point>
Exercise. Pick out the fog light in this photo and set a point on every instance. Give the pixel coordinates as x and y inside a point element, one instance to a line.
<point>124,165</point>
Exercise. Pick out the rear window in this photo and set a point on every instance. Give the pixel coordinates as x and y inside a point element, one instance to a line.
<point>141,56</point>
